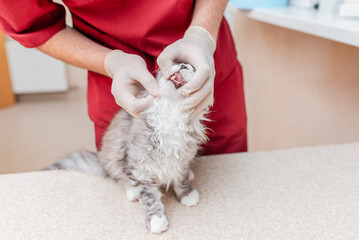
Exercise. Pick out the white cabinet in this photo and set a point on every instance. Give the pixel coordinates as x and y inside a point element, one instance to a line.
<point>32,71</point>
<point>343,30</point>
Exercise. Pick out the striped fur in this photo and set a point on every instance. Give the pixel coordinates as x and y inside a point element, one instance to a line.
<point>150,153</point>
<point>82,161</point>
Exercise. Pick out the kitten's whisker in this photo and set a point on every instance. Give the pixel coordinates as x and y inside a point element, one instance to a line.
<point>155,72</point>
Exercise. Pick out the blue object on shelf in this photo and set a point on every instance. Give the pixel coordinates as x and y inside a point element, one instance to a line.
<point>249,4</point>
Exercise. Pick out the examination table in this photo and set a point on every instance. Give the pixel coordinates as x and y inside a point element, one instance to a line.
<point>303,193</point>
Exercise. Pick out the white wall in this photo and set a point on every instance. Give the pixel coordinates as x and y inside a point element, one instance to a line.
<point>301,90</point>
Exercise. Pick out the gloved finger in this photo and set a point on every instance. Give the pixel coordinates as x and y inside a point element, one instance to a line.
<point>166,58</point>
<point>199,78</point>
<point>145,78</point>
<point>129,102</point>
<point>207,101</point>
<point>140,104</point>
<point>197,97</point>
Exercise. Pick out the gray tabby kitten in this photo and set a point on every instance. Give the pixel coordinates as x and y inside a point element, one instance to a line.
<point>150,153</point>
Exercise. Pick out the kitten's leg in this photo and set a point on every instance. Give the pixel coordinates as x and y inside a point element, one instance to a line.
<point>156,220</point>
<point>133,191</point>
<point>190,175</point>
<point>184,192</point>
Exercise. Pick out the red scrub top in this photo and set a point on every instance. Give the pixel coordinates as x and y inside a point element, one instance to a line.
<point>141,27</point>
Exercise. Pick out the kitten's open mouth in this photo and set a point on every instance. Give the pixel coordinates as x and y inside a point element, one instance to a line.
<point>177,79</point>
<point>182,73</point>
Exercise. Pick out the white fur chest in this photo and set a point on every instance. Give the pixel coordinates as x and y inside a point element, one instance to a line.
<point>174,136</point>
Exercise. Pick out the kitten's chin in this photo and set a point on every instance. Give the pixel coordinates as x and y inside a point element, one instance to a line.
<point>169,90</point>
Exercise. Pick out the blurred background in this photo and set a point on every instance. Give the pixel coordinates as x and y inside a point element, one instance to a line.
<point>301,75</point>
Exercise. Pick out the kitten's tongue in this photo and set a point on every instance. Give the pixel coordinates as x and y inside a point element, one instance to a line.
<point>177,80</point>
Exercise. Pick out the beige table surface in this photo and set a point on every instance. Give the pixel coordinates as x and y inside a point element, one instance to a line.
<point>307,193</point>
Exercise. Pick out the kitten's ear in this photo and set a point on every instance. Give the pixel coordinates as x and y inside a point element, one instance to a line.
<point>157,74</point>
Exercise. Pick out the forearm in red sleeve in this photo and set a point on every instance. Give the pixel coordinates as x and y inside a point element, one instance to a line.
<point>209,14</point>
<point>41,24</point>
<point>74,48</point>
<point>31,22</point>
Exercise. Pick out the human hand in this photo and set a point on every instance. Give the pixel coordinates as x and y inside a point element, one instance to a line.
<point>129,77</point>
<point>196,48</point>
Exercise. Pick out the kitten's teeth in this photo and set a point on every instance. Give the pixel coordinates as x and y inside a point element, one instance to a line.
<point>175,68</point>
<point>191,199</point>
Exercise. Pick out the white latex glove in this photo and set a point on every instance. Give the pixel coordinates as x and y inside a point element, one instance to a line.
<point>196,48</point>
<point>130,77</point>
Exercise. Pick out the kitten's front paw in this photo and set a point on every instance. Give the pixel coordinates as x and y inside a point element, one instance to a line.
<point>132,194</point>
<point>158,224</point>
<point>191,199</point>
